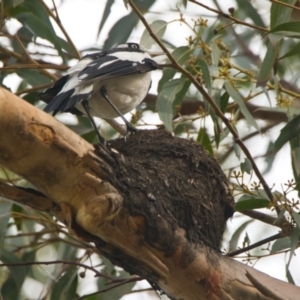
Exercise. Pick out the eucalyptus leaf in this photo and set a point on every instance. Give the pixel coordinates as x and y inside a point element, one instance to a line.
<point>267,66</point>
<point>234,94</point>
<point>181,55</point>
<point>206,74</point>
<point>66,286</point>
<point>105,14</point>
<point>290,27</point>
<point>158,27</point>
<point>251,203</point>
<point>281,244</point>
<point>204,140</point>
<point>280,13</point>
<point>121,31</point>
<point>166,98</point>
<point>235,237</point>
<point>294,243</point>
<point>19,272</point>
<point>287,133</point>
<point>5,209</point>
<point>246,166</point>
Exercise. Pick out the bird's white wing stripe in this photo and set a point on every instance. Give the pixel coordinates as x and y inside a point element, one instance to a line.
<point>70,84</point>
<point>80,65</point>
<point>131,56</point>
<point>106,63</point>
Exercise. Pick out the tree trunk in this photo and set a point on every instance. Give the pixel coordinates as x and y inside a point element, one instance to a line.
<point>156,205</point>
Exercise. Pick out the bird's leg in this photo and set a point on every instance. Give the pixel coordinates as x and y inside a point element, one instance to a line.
<point>129,127</point>
<point>85,105</point>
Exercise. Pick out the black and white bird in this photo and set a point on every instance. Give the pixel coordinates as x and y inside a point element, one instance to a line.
<point>105,84</point>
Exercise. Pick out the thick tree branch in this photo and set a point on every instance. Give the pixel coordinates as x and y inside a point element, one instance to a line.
<point>156,205</point>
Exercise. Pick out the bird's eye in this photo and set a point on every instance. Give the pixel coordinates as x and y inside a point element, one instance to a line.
<point>136,46</point>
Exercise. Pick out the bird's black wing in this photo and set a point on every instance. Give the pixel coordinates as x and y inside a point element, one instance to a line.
<point>51,92</point>
<point>101,70</point>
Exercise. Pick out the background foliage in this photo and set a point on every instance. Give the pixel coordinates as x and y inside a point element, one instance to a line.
<point>230,80</point>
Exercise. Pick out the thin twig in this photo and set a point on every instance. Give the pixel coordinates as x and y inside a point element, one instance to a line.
<point>29,263</point>
<point>227,16</point>
<point>34,89</point>
<point>285,4</point>
<point>111,287</point>
<point>211,103</point>
<point>255,245</point>
<point>29,58</point>
<point>34,66</point>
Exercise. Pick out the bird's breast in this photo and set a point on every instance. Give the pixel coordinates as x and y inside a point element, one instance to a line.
<point>125,92</point>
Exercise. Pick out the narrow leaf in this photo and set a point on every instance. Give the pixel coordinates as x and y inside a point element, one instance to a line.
<point>296,217</point>
<point>246,166</point>
<point>105,14</point>
<point>204,140</point>
<point>266,67</point>
<point>281,244</point>
<point>294,243</point>
<point>280,13</point>
<point>235,237</point>
<point>158,27</point>
<point>166,98</point>
<point>292,27</point>
<point>5,208</point>
<point>294,51</point>
<point>18,273</point>
<point>206,75</point>
<point>287,133</point>
<point>121,31</point>
<point>251,12</point>
<point>66,287</point>
<point>238,99</point>
<point>181,54</point>
<point>251,203</point>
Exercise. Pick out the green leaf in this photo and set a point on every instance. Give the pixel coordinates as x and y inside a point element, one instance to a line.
<point>246,202</point>
<point>33,77</point>
<point>250,12</point>
<point>296,217</point>
<point>33,16</point>
<point>5,209</point>
<point>158,27</point>
<point>246,166</point>
<point>181,54</point>
<point>287,133</point>
<point>105,14</point>
<point>224,102</point>
<point>294,243</point>
<point>281,244</point>
<point>206,75</point>
<point>290,27</point>
<point>289,277</point>
<point>65,288</point>
<point>204,140</point>
<point>215,54</point>
<point>238,99</point>
<point>294,51</point>
<point>280,13</point>
<point>18,272</point>
<point>166,98</point>
<point>267,66</point>
<point>235,237</point>
<point>121,31</point>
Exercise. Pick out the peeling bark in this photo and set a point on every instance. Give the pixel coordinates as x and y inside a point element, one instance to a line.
<point>156,206</point>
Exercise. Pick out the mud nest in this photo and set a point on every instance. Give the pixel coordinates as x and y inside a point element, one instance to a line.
<point>172,183</point>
